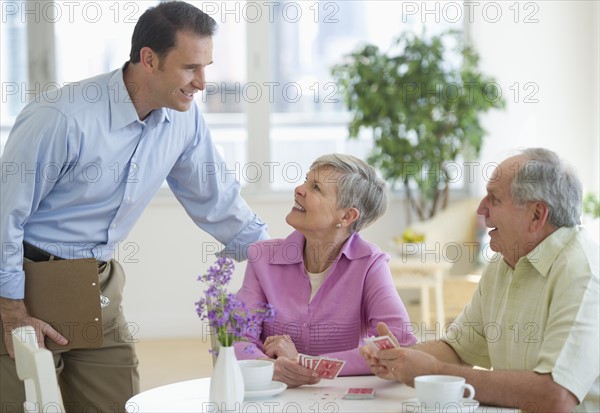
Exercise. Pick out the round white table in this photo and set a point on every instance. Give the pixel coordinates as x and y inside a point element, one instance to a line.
<point>326,396</point>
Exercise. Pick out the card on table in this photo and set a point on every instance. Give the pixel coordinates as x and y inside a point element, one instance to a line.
<point>359,393</point>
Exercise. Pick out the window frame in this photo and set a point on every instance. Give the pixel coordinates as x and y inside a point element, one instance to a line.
<point>258,121</point>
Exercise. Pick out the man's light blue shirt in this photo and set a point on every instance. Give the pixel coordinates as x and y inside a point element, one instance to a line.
<point>79,168</point>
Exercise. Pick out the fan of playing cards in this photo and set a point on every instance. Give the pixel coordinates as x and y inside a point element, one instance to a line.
<point>326,368</point>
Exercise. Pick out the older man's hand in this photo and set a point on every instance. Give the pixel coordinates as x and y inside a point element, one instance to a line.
<point>371,357</point>
<point>404,364</point>
<point>371,354</point>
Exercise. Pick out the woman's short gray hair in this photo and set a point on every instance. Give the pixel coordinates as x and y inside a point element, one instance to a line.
<point>359,187</point>
<point>547,178</point>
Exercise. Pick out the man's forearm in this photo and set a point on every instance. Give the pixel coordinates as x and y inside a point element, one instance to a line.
<point>12,311</point>
<point>440,350</point>
<point>525,390</point>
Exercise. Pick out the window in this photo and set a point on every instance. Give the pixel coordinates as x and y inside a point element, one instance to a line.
<point>13,70</point>
<point>269,98</point>
<point>14,63</point>
<point>308,39</point>
<point>94,37</point>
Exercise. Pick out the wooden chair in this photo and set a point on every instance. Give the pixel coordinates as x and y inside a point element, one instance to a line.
<point>36,368</point>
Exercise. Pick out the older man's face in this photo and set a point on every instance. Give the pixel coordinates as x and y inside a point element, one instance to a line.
<point>510,223</point>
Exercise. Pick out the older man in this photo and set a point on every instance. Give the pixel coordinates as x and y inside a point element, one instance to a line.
<point>533,321</point>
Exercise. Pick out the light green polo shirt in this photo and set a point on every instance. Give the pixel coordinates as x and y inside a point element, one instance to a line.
<point>541,316</point>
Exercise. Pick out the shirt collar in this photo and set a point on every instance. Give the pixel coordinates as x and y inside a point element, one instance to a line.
<point>122,110</point>
<point>546,252</point>
<point>353,248</point>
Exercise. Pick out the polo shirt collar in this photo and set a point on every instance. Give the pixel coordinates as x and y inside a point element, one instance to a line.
<point>543,256</point>
<point>291,250</point>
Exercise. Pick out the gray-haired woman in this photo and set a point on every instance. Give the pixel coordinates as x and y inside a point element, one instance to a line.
<point>329,286</point>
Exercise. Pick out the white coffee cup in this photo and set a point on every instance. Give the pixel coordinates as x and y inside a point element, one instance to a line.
<point>257,374</point>
<point>437,392</point>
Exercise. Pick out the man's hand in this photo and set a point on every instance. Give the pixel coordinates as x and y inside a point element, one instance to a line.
<point>401,364</point>
<point>371,354</point>
<point>14,314</point>
<point>293,374</point>
<point>404,364</point>
<point>280,346</point>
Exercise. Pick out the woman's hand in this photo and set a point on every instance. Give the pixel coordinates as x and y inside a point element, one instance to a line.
<point>280,346</point>
<point>293,374</point>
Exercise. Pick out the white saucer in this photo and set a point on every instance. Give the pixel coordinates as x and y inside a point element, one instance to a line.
<point>463,406</point>
<point>274,388</point>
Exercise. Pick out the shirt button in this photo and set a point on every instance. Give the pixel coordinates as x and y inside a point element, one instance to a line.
<point>305,325</point>
<point>113,226</point>
<point>128,199</point>
<point>516,286</point>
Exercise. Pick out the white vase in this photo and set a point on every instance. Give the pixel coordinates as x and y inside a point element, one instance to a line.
<point>227,383</point>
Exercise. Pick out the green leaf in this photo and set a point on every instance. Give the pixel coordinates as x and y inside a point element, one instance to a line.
<point>421,100</point>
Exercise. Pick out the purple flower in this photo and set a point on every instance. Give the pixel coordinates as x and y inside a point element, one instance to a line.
<point>227,316</point>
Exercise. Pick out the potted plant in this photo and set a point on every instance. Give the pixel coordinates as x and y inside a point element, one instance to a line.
<point>421,101</point>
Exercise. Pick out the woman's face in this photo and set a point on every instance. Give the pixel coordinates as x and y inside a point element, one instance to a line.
<point>315,210</point>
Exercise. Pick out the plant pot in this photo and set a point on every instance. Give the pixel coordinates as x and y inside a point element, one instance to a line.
<point>227,383</point>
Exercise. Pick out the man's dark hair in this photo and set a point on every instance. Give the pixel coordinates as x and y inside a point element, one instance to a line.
<point>157,28</point>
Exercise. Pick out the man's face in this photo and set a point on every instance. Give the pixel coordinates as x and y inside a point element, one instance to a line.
<point>510,223</point>
<point>180,72</point>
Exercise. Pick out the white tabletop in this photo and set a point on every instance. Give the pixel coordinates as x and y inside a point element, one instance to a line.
<point>326,396</point>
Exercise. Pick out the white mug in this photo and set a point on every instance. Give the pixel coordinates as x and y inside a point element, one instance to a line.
<point>257,374</point>
<point>437,392</point>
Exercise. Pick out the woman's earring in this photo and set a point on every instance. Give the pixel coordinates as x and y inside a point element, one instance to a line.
<point>338,225</point>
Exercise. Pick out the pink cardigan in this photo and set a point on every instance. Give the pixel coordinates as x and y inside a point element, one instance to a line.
<point>357,293</point>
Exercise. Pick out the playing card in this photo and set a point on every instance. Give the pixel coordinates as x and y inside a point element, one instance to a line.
<point>359,393</point>
<point>383,342</point>
<point>329,368</point>
<point>305,360</point>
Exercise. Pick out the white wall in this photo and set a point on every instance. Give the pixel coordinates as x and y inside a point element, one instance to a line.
<point>558,58</point>
<point>161,286</point>
<point>559,55</point>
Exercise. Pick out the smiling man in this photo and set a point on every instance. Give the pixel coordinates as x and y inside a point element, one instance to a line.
<point>91,156</point>
<point>534,318</point>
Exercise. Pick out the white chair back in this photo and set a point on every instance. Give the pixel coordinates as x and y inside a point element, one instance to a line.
<point>36,368</point>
